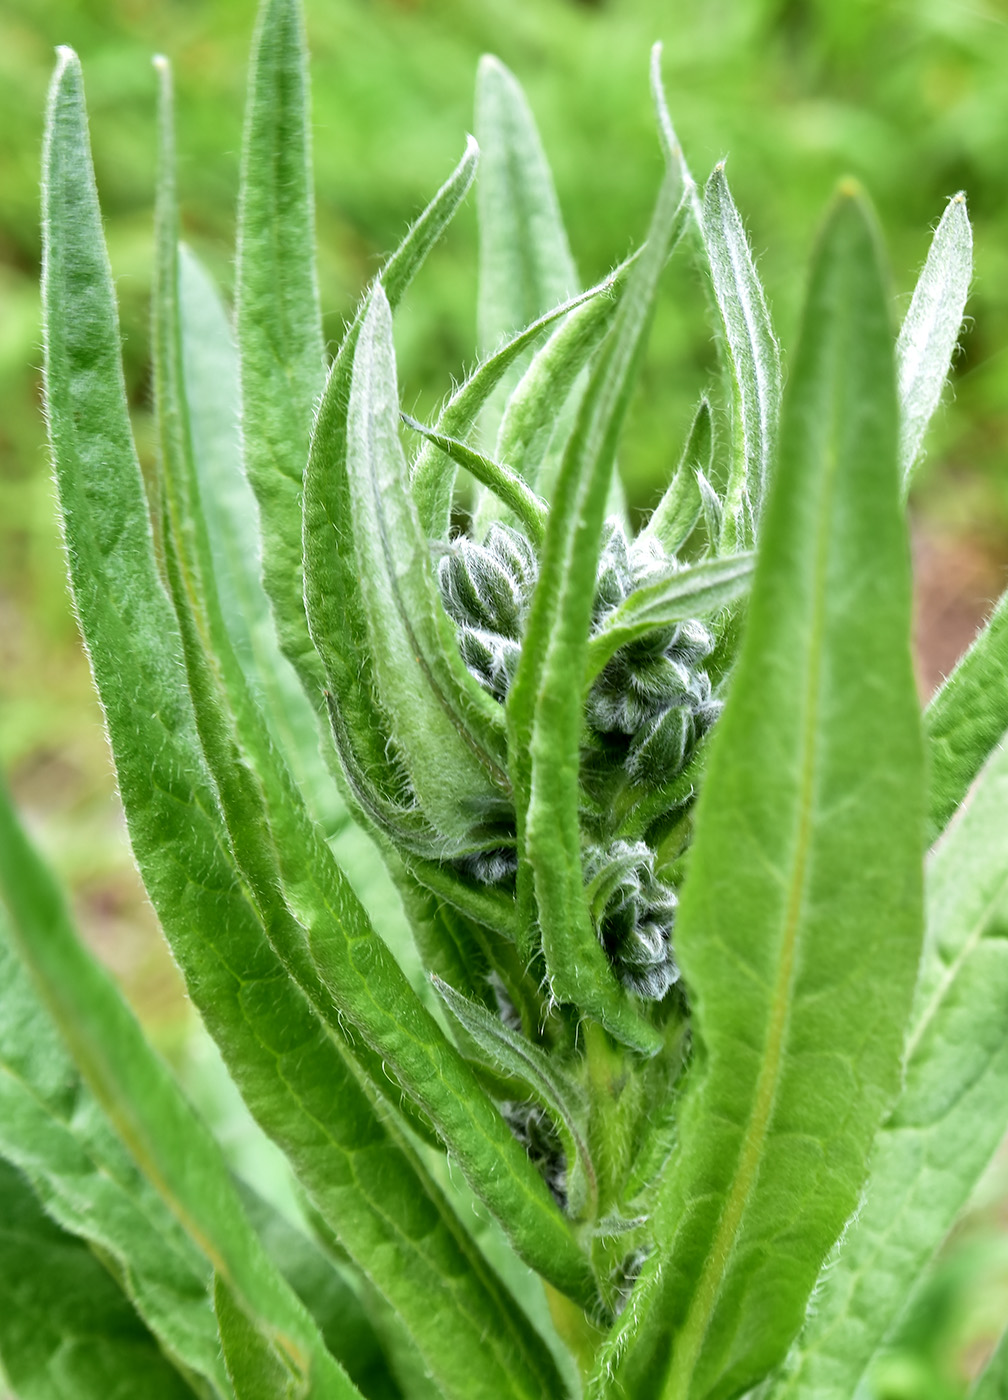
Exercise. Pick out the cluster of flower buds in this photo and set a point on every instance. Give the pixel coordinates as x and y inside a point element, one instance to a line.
<point>645,714</point>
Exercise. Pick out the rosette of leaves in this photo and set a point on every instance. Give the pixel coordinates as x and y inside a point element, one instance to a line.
<point>553,893</point>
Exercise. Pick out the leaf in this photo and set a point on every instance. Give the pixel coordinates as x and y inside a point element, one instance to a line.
<point>333,601</point>
<point>753,362</point>
<point>231,515</point>
<point>53,1131</point>
<point>164,1135</point>
<point>949,1119</point>
<point>525,264</point>
<point>447,728</point>
<point>930,330</point>
<point>800,919</point>
<point>432,479</point>
<point>279,321</point>
<point>515,1057</point>
<point>694,591</point>
<point>679,509</point>
<point>966,719</point>
<point>257,1367</point>
<point>544,708</point>
<point>499,479</point>
<point>364,1180</point>
<point>66,1330</point>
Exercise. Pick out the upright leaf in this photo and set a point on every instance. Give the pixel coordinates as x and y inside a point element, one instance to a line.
<point>800,920</point>
<point>544,708</point>
<point>66,1330</point>
<point>298,1080</point>
<point>927,338</point>
<point>280,340</point>
<point>525,264</point>
<point>753,362</point>
<point>966,719</point>
<point>948,1120</point>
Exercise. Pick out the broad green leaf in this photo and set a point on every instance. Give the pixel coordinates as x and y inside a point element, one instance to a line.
<point>170,1144</point>
<point>53,1131</point>
<point>433,476</point>
<point>66,1330</point>
<point>800,919</point>
<point>294,1075</point>
<point>512,1055</point>
<point>498,478</point>
<point>280,342</point>
<point>949,1119</point>
<point>333,601</point>
<point>930,330</point>
<point>544,708</point>
<point>447,728</point>
<point>966,719</point>
<point>753,362</point>
<point>525,264</point>
<point>695,591</point>
<point>679,509</point>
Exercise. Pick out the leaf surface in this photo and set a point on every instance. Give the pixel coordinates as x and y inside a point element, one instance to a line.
<point>949,1119</point>
<point>279,321</point>
<point>800,919</point>
<point>966,719</point>
<point>544,708</point>
<point>930,330</point>
<point>66,1330</point>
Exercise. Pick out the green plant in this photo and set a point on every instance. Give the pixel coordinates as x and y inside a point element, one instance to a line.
<point>676,1002</point>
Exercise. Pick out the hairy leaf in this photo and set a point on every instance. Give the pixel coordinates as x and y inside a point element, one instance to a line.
<point>966,719</point>
<point>930,330</point>
<point>948,1120</point>
<point>800,920</point>
<point>280,342</point>
<point>66,1330</point>
<point>544,708</point>
<point>679,509</point>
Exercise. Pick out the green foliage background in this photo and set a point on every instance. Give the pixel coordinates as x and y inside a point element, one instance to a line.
<point>909,95</point>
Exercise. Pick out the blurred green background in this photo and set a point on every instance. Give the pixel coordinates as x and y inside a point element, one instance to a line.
<point>911,97</point>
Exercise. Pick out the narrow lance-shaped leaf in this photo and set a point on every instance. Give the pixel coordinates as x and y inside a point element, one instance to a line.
<point>992,1382</point>
<point>583,319</point>
<point>65,1328</point>
<point>333,601</point>
<point>930,330</point>
<point>293,1074</point>
<point>696,591</point>
<point>52,1129</point>
<point>679,509</point>
<point>447,728</point>
<point>280,338</point>
<point>948,1121</point>
<point>966,719</point>
<point>800,919</point>
<point>498,478</point>
<point>513,1055</point>
<point>753,362</point>
<point>525,263</point>
<point>166,1138</point>
<point>544,708</point>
